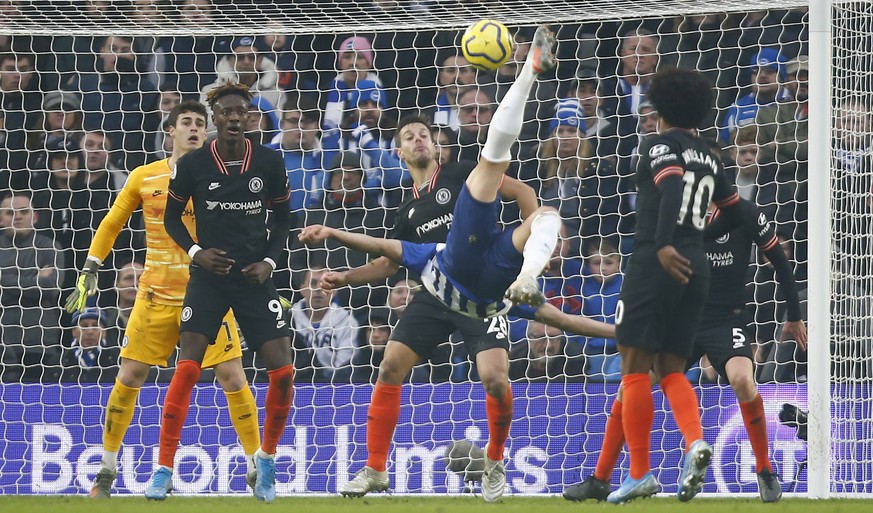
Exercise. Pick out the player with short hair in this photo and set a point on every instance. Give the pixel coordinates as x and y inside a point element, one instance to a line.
<point>231,183</point>
<point>722,339</point>
<point>427,322</point>
<point>667,279</point>
<point>153,327</point>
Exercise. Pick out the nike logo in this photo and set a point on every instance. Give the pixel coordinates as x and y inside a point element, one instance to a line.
<point>157,193</point>
<point>214,185</point>
<point>280,324</point>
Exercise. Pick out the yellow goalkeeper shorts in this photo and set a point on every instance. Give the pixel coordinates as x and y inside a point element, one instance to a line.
<point>153,332</point>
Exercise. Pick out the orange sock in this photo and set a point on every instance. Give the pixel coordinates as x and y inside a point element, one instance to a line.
<point>684,405</point>
<point>637,416</point>
<point>381,420</point>
<point>499,414</point>
<point>756,427</point>
<point>613,441</point>
<point>277,406</point>
<point>176,409</point>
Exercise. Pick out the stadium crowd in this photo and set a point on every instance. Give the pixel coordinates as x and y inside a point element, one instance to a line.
<point>78,113</point>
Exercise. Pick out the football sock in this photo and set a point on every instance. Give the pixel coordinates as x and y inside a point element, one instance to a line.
<point>382,418</point>
<point>613,441</point>
<point>637,416</point>
<point>538,248</point>
<point>244,415</point>
<point>277,406</point>
<point>756,427</point>
<point>499,414</point>
<point>684,405</point>
<point>176,409</point>
<point>119,413</point>
<point>506,123</point>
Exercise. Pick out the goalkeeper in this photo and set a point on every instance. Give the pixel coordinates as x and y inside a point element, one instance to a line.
<point>153,329</point>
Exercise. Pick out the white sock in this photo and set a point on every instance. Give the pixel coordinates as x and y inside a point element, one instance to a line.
<point>508,118</point>
<point>261,454</point>
<point>541,244</point>
<point>250,463</point>
<point>109,460</point>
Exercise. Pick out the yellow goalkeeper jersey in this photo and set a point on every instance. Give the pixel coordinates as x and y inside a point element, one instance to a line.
<point>166,266</point>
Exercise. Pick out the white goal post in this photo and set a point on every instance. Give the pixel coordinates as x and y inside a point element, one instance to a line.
<point>52,426</point>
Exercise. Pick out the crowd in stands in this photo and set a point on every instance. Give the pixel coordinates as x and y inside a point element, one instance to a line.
<point>79,112</point>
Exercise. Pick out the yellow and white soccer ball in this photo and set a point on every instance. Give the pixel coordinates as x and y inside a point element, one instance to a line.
<point>487,45</point>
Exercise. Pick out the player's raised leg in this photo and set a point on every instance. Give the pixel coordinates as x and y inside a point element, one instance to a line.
<point>741,375</point>
<point>535,239</point>
<point>382,418</point>
<point>505,127</point>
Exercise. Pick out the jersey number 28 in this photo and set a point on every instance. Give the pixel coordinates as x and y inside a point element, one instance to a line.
<point>695,199</point>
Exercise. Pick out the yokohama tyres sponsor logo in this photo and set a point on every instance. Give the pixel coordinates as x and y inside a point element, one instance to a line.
<point>233,205</point>
<point>426,227</point>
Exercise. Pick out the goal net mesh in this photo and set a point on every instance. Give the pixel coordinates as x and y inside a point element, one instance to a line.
<point>86,87</point>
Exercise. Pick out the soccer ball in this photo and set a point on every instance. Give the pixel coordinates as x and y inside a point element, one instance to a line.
<point>487,45</point>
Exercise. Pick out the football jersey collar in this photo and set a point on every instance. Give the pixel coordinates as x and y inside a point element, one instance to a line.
<point>219,162</point>
<point>430,184</point>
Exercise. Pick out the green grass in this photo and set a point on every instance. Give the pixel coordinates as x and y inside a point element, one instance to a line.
<point>382,504</point>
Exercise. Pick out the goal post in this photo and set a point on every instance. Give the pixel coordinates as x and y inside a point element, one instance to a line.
<point>52,425</point>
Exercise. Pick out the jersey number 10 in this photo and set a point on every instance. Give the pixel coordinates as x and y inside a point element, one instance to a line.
<point>698,192</point>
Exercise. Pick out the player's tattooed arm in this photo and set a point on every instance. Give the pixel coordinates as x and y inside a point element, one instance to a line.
<point>389,248</point>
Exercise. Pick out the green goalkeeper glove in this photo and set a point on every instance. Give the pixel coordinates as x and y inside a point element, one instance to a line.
<point>86,285</point>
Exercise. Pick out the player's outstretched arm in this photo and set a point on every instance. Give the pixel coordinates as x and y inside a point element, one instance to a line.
<point>376,270</point>
<point>104,238</point>
<point>389,248</point>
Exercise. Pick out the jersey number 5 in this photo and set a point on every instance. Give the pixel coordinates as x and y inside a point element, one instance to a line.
<point>699,194</point>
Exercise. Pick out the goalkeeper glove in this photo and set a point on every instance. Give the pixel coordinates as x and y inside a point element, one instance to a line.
<point>86,285</point>
<point>286,305</point>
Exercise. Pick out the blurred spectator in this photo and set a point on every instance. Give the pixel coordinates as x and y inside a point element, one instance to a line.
<point>117,315</point>
<point>101,173</point>
<point>91,357</point>
<point>120,102</point>
<point>474,116</point>
<point>187,63</point>
<point>853,170</point>
<point>368,356</point>
<point>455,72</point>
<point>324,334</point>
<point>263,123</point>
<point>169,99</point>
<point>783,130</point>
<point>354,62</point>
<point>245,65</point>
<point>768,68</point>
<point>599,130</point>
<point>600,292</point>
<point>583,187</point>
<point>401,294</point>
<point>638,57</point>
<point>61,116</point>
<point>445,140</point>
<point>348,206</point>
<point>20,101</point>
<point>545,356</point>
<point>648,119</point>
<point>369,130</point>
<point>304,157</point>
<point>31,271</point>
<point>277,48</point>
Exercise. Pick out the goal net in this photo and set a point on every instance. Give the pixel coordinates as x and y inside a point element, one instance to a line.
<point>86,88</point>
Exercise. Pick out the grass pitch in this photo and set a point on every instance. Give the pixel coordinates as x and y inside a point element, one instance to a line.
<point>382,504</point>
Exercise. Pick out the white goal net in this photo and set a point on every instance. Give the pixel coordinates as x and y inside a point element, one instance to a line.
<point>86,87</point>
